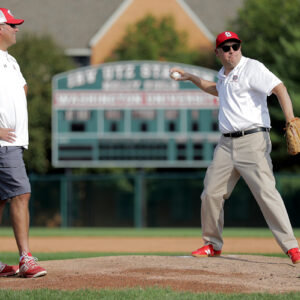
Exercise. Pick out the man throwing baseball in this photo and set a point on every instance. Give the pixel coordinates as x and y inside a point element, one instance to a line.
<point>14,183</point>
<point>244,147</point>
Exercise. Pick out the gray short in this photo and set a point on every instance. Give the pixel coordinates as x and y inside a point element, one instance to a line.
<point>13,177</point>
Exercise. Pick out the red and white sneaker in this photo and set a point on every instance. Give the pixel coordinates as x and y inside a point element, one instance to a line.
<point>6,270</point>
<point>294,255</point>
<point>29,268</point>
<point>206,250</point>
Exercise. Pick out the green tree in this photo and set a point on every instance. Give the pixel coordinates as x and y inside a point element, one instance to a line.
<point>39,59</point>
<point>157,39</point>
<point>270,31</point>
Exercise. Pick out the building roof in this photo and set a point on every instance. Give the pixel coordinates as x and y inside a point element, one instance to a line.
<point>215,14</point>
<point>74,24</point>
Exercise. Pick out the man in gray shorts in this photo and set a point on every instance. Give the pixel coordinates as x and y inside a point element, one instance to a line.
<point>14,183</point>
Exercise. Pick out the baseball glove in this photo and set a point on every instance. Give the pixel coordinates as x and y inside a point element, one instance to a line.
<point>292,135</point>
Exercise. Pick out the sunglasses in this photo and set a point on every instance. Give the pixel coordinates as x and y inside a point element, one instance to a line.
<point>12,25</point>
<point>235,47</point>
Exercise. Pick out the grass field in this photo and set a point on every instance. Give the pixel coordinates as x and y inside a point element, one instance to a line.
<point>136,294</point>
<point>147,232</point>
<point>149,293</point>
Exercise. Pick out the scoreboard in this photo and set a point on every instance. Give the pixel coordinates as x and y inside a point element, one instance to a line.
<point>131,114</point>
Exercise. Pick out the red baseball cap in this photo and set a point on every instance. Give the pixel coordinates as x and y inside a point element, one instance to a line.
<point>226,35</point>
<point>7,17</point>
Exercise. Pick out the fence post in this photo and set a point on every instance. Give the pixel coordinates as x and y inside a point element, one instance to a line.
<point>66,197</point>
<point>64,201</point>
<point>139,200</point>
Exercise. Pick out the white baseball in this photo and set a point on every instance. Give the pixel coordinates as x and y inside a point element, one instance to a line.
<point>175,75</point>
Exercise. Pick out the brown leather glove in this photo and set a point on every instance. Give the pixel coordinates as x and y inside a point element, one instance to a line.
<point>292,135</point>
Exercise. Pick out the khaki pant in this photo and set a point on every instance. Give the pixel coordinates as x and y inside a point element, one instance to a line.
<point>247,156</point>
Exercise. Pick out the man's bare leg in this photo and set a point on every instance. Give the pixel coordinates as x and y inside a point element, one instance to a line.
<point>19,214</point>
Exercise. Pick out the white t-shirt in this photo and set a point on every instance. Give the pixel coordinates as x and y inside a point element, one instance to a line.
<point>13,103</point>
<point>243,96</point>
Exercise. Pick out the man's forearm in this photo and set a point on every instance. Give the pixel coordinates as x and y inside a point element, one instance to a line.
<point>285,101</point>
<point>205,85</point>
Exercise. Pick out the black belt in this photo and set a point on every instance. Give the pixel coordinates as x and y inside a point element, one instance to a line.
<point>244,132</point>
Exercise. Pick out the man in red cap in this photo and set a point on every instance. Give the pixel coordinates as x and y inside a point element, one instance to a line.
<point>244,146</point>
<point>14,183</point>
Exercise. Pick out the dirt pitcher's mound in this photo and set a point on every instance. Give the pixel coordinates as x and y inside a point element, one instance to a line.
<point>228,273</point>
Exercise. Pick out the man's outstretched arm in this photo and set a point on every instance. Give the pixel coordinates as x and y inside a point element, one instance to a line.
<point>205,85</point>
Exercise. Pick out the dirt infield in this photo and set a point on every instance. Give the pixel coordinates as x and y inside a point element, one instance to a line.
<point>139,244</point>
<point>229,273</point>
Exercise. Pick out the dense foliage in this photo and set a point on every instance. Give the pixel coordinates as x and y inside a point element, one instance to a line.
<point>39,59</point>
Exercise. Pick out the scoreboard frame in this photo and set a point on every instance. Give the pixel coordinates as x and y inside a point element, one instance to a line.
<point>131,114</point>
